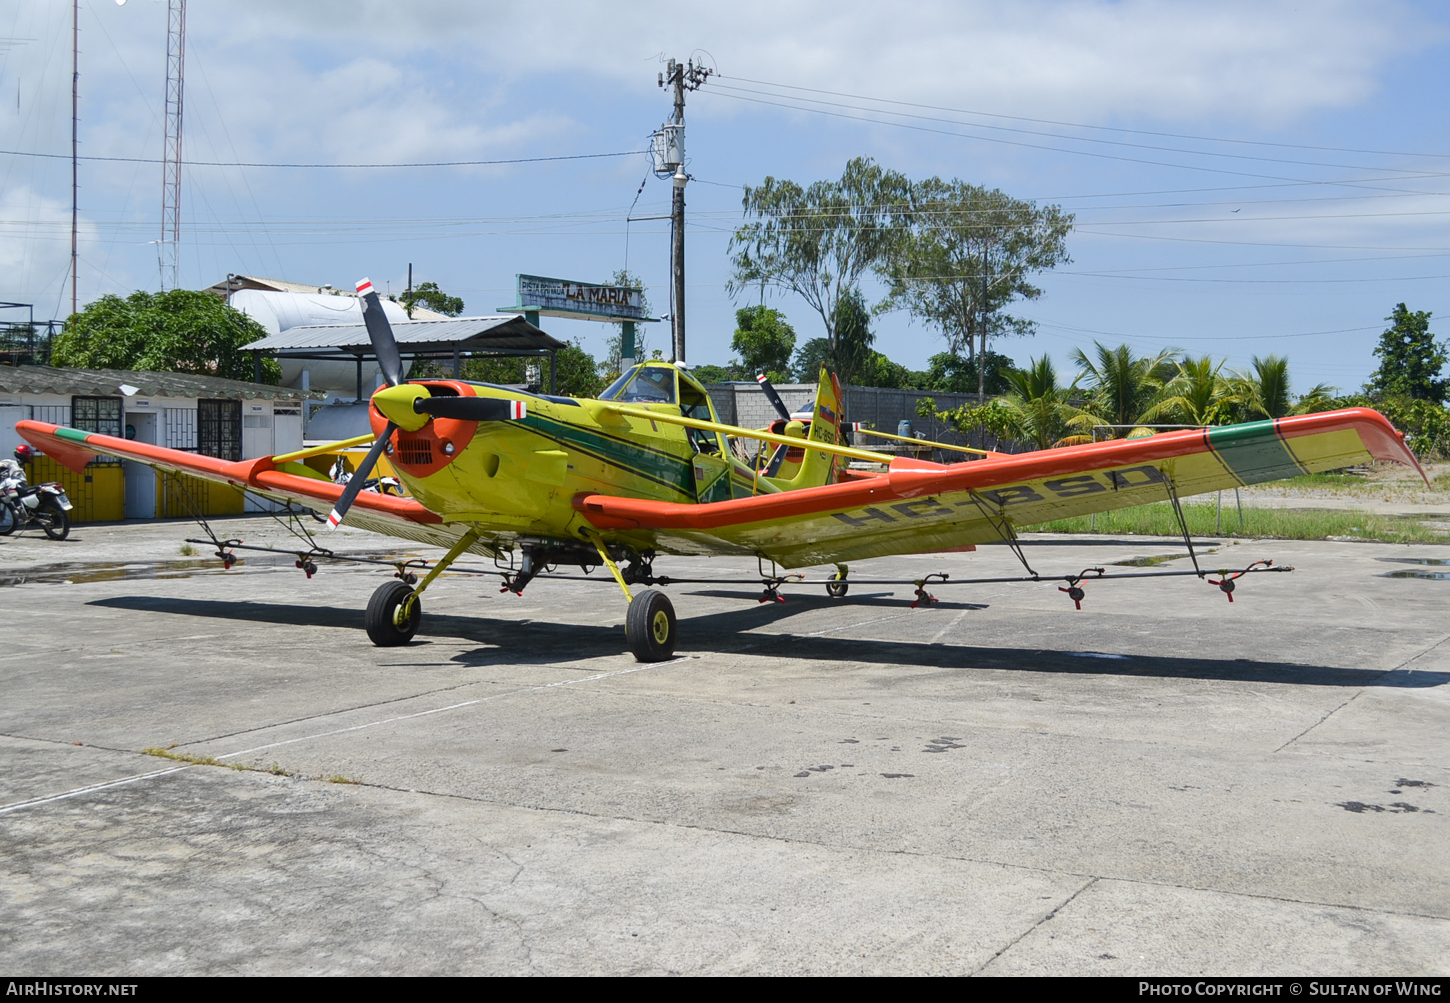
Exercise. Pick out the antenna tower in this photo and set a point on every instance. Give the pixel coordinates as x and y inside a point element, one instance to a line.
<point>169,258</point>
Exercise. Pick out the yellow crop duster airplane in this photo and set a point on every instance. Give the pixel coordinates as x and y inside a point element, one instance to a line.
<point>646,468</point>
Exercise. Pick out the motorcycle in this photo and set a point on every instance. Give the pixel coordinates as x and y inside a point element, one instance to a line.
<point>23,505</point>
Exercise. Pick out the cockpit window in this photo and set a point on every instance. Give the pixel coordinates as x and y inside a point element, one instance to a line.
<point>643,385</point>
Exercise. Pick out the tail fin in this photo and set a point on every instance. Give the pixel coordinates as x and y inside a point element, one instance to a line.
<point>816,467</point>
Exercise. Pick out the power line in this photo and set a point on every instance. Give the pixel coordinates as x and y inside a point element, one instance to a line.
<point>1080,125</point>
<point>220,163</point>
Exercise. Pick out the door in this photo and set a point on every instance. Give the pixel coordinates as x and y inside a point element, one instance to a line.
<point>140,426</point>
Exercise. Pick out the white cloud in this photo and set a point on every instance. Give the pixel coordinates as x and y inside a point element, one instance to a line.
<point>1266,61</point>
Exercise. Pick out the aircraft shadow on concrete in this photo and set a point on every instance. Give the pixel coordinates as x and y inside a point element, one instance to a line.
<point>530,642</point>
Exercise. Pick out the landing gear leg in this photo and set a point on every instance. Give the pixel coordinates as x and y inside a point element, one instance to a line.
<point>650,622</point>
<point>394,612</point>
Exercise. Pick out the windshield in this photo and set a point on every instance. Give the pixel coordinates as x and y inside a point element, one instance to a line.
<point>644,385</point>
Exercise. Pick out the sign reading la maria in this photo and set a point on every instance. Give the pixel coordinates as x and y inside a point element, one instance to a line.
<point>582,300</point>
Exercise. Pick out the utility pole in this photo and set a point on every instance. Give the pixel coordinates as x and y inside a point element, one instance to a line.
<point>171,164</point>
<point>75,111</point>
<point>670,153</point>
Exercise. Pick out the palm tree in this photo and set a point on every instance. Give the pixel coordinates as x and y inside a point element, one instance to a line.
<point>1264,392</point>
<point>1123,387</point>
<point>1196,395</point>
<point>1037,408</point>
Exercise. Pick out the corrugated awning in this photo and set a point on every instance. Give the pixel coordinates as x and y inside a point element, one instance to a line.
<point>108,383</point>
<point>437,338</point>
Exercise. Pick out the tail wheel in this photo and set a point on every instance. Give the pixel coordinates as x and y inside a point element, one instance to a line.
<point>650,626</point>
<point>54,520</point>
<point>837,586</point>
<point>393,614</point>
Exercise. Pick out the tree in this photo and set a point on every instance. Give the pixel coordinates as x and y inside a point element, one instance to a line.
<point>1123,388</point>
<point>809,358</point>
<point>1410,359</point>
<point>854,337</point>
<point>764,341</point>
<point>967,253</point>
<point>180,331</point>
<point>1196,395</point>
<point>948,373</point>
<point>612,364</point>
<point>818,241</point>
<point>432,298</point>
<point>578,373</point>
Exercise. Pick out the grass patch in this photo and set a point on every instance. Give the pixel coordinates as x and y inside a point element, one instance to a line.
<point>276,769</point>
<point>1328,479</point>
<point>1259,523</point>
<point>187,550</point>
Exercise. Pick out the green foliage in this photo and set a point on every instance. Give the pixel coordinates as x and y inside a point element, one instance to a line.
<point>724,374</point>
<point>1410,359</point>
<point>1035,409</point>
<point>948,373</point>
<point>1426,424</point>
<point>968,252</point>
<point>879,371</point>
<point>180,331</point>
<point>854,337</point>
<point>1196,395</point>
<point>809,358</point>
<point>1123,388</point>
<point>579,374</point>
<point>764,341</point>
<point>430,296</point>
<point>818,241</point>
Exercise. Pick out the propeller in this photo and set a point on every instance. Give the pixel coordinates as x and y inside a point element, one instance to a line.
<point>385,348</point>
<point>408,406</point>
<point>773,397</point>
<point>380,333</point>
<point>471,408</point>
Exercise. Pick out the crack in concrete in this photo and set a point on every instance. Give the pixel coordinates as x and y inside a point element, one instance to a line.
<point>1055,910</point>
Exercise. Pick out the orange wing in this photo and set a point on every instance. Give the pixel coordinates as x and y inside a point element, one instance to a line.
<point>402,517</point>
<point>918,507</point>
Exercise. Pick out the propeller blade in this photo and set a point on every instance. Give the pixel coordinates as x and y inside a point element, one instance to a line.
<point>471,408</point>
<point>380,333</point>
<point>773,397</point>
<point>359,477</point>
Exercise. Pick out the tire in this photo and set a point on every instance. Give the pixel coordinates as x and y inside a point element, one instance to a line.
<point>838,587</point>
<point>8,522</point>
<point>651,627</point>
<point>382,628</point>
<point>54,520</point>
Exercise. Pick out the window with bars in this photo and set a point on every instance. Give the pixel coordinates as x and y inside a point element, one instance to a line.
<point>96,414</point>
<point>219,429</point>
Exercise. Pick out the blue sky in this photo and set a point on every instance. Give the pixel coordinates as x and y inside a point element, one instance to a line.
<point>1248,178</point>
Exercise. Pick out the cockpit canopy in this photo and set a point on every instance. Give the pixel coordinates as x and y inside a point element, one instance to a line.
<point>644,384</point>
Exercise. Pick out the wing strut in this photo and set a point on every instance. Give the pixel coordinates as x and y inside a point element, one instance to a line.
<point>1183,525</point>
<point>1004,529</point>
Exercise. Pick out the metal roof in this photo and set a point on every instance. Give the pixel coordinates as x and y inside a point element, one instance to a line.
<point>107,383</point>
<point>415,337</point>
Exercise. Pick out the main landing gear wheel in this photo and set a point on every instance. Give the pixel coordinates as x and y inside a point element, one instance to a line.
<point>382,618</point>
<point>54,520</point>
<point>650,626</point>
